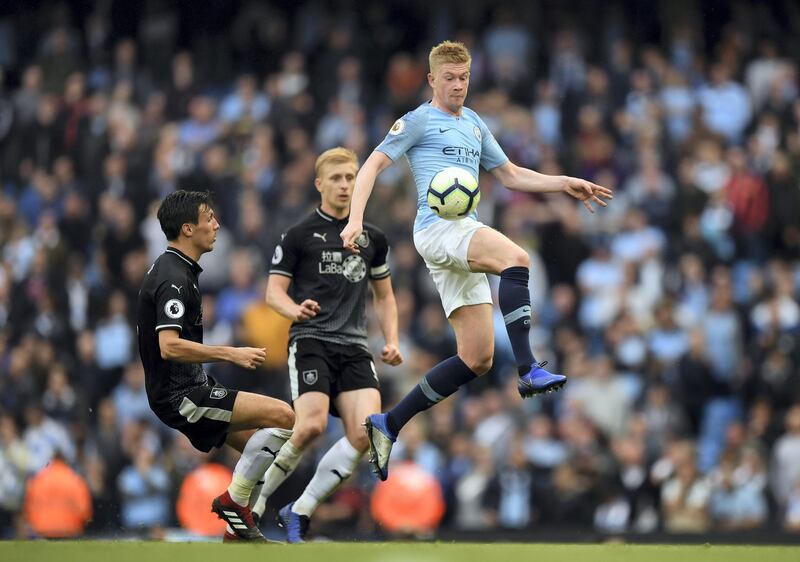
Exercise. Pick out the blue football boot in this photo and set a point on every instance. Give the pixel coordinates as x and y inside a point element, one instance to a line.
<point>380,444</point>
<point>538,381</point>
<point>294,524</point>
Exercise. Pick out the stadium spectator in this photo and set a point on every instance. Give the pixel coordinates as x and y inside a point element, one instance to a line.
<point>726,104</point>
<point>737,491</point>
<point>470,492</point>
<point>144,488</point>
<point>13,468</point>
<point>416,448</point>
<point>510,494</point>
<point>685,497</point>
<point>45,439</point>
<point>60,401</point>
<point>57,502</point>
<point>130,398</point>
<point>243,289</point>
<point>785,466</point>
<point>791,521</point>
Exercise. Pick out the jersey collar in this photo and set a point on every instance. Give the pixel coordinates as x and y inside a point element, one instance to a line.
<point>192,264</point>
<point>329,218</point>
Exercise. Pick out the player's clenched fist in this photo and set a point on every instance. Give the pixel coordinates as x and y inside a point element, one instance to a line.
<point>306,310</point>
<point>391,355</point>
<point>249,357</point>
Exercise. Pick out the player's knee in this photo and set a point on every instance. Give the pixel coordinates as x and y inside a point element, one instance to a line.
<point>479,363</point>
<point>518,258</point>
<point>282,417</point>
<point>307,431</point>
<point>358,440</point>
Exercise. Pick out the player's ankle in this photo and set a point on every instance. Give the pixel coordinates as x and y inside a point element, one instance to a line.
<point>392,426</point>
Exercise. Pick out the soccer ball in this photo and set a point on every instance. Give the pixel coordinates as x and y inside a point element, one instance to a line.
<point>453,193</point>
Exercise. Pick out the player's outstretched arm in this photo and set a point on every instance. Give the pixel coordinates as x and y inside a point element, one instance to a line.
<point>522,179</point>
<point>173,348</point>
<point>279,300</point>
<point>386,309</point>
<point>365,181</point>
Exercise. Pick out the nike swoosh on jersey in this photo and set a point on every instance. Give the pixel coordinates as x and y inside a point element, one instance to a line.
<point>444,130</point>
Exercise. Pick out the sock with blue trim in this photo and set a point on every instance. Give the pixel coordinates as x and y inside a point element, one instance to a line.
<point>515,304</point>
<point>440,382</point>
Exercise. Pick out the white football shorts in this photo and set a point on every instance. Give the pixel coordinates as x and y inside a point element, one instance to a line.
<point>444,245</point>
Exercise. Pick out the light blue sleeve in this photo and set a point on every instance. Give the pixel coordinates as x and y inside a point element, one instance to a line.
<point>492,155</point>
<point>404,134</point>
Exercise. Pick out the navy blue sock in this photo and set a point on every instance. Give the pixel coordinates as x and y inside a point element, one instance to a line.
<point>515,304</point>
<point>440,382</point>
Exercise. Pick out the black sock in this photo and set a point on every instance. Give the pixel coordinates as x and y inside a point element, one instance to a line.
<point>440,382</point>
<point>515,304</point>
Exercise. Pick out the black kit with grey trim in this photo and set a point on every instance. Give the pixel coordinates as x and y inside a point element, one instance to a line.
<point>181,394</point>
<point>321,269</point>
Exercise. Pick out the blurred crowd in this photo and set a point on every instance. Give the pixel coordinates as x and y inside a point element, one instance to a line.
<point>674,311</point>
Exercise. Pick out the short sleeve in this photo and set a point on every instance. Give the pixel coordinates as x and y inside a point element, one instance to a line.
<point>405,133</point>
<point>492,155</point>
<point>379,267</point>
<point>170,303</point>
<point>287,254</point>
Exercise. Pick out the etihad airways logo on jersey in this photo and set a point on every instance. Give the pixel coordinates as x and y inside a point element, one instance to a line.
<point>463,154</point>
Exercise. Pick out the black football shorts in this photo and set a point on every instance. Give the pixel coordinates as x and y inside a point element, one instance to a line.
<point>330,368</point>
<point>203,415</point>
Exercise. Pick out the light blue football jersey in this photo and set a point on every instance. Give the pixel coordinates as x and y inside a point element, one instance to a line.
<point>431,140</point>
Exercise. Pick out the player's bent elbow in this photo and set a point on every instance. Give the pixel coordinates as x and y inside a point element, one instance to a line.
<point>167,353</point>
<point>273,301</point>
<point>506,175</point>
<point>169,343</point>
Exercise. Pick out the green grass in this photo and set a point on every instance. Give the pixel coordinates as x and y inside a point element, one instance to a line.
<point>93,551</point>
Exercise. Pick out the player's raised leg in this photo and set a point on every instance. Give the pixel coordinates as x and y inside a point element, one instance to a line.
<point>338,463</point>
<point>475,351</point>
<point>259,428</point>
<point>492,252</point>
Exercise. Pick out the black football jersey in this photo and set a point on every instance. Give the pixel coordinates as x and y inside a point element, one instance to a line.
<point>312,255</point>
<point>169,299</point>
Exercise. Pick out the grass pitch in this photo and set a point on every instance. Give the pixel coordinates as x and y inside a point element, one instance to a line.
<point>100,551</point>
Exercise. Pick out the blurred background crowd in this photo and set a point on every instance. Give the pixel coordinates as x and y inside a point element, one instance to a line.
<point>674,311</point>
